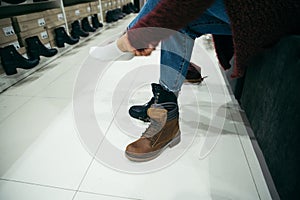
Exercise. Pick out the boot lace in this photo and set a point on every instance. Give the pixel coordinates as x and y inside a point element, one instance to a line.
<point>153,129</point>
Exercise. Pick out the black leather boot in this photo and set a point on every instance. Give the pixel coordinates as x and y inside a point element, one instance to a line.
<point>160,95</point>
<point>126,9</point>
<point>133,8</point>
<point>116,15</point>
<point>111,17</point>
<point>35,48</point>
<point>76,31</point>
<point>85,24</point>
<point>11,60</point>
<point>61,37</point>
<point>118,12</point>
<point>95,21</point>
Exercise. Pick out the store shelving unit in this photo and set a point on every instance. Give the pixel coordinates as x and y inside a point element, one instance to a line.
<point>27,7</point>
<point>30,7</point>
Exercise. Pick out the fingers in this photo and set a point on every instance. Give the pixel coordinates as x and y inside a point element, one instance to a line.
<point>137,53</point>
<point>143,52</point>
<point>125,46</point>
<point>148,51</point>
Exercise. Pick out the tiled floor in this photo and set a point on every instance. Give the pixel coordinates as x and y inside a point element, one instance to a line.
<point>48,151</point>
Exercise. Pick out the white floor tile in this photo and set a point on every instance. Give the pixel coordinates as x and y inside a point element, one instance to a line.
<point>93,196</point>
<point>40,145</point>
<point>243,128</point>
<point>9,104</point>
<point>231,177</point>
<point>15,191</point>
<point>223,174</point>
<point>60,88</point>
<point>36,82</point>
<point>162,184</point>
<point>24,126</point>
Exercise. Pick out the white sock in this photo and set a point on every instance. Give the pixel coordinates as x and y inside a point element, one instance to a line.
<point>110,52</point>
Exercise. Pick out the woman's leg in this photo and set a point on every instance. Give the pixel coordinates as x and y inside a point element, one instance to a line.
<point>175,58</point>
<point>177,50</point>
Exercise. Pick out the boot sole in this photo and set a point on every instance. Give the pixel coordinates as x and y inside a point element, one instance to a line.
<point>193,80</point>
<point>152,155</point>
<point>144,119</point>
<point>198,80</point>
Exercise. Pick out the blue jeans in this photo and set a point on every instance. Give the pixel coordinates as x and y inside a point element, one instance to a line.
<point>176,51</point>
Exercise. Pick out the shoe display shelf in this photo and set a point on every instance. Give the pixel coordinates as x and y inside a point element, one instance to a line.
<point>28,7</point>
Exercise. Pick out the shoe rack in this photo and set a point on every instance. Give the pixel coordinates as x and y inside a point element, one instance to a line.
<point>32,6</point>
<point>9,10</point>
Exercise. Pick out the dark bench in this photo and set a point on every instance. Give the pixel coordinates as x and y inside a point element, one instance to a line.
<point>271,99</point>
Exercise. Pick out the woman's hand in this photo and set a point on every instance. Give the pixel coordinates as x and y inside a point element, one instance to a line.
<point>125,46</point>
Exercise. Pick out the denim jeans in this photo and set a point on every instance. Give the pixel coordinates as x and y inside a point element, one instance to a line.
<point>176,51</point>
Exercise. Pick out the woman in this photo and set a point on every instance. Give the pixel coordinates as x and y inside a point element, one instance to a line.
<point>254,25</point>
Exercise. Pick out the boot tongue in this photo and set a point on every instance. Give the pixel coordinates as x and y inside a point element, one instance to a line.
<point>158,113</point>
<point>158,118</point>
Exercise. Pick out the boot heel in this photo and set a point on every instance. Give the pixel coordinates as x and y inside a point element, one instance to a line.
<point>60,44</point>
<point>9,70</point>
<point>175,140</point>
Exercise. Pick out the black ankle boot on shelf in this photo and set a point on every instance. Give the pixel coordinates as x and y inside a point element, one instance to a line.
<point>61,37</point>
<point>108,17</point>
<point>133,8</point>
<point>116,15</point>
<point>160,95</point>
<point>95,22</point>
<point>35,48</point>
<point>76,31</point>
<point>85,24</point>
<point>126,9</point>
<point>11,59</point>
<point>119,14</point>
<point>120,11</point>
<point>111,17</point>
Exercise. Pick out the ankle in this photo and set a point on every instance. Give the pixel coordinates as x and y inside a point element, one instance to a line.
<point>176,93</point>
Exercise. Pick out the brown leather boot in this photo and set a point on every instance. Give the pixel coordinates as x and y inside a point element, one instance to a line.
<point>162,132</point>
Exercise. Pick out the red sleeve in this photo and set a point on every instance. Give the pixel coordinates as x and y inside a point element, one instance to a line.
<point>168,16</point>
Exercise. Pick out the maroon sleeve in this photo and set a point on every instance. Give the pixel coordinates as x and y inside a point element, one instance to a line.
<point>168,16</point>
